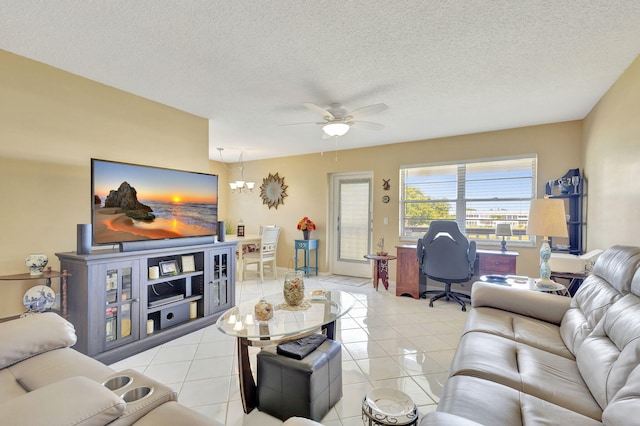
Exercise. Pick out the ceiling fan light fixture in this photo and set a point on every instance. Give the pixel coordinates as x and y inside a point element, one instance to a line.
<point>336,129</point>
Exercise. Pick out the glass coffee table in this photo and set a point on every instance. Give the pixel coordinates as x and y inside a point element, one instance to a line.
<point>318,311</point>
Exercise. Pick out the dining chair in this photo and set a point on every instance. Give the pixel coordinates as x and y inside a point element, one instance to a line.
<point>266,253</point>
<point>262,227</point>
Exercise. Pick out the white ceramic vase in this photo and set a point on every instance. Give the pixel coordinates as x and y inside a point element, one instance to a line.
<point>36,263</point>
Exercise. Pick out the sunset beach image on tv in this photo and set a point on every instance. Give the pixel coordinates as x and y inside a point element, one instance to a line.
<point>134,203</point>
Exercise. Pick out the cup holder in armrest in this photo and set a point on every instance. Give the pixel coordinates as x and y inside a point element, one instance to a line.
<point>141,394</point>
<point>117,382</point>
<point>136,394</point>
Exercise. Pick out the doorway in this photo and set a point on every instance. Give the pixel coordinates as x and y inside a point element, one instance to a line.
<point>351,223</point>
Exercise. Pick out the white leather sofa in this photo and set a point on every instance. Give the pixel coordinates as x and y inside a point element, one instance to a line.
<point>530,358</point>
<point>43,381</point>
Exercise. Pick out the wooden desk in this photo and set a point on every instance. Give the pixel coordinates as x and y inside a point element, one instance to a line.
<point>380,269</point>
<point>243,242</point>
<point>409,280</point>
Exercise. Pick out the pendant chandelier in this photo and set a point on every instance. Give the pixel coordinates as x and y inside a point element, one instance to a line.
<point>239,185</point>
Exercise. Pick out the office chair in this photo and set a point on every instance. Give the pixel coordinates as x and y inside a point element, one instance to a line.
<point>446,255</point>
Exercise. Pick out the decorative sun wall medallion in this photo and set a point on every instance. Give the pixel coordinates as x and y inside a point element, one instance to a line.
<point>273,190</point>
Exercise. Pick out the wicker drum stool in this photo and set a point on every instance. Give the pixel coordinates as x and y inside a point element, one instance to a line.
<point>308,387</point>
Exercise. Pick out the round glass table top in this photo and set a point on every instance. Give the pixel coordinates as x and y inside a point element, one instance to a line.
<point>319,308</point>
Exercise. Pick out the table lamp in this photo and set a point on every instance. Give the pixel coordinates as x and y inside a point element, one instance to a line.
<point>547,219</point>
<point>503,230</point>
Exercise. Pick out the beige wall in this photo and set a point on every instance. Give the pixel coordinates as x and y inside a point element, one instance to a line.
<point>558,147</point>
<point>51,124</point>
<point>612,163</point>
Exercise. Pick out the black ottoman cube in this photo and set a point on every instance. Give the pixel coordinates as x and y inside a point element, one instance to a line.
<point>308,387</point>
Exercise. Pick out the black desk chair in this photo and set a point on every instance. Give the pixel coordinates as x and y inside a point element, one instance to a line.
<point>446,255</point>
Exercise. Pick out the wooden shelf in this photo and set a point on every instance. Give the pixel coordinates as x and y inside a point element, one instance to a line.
<point>46,275</point>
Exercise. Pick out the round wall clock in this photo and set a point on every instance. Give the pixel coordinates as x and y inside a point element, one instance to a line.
<point>273,190</point>
<point>386,199</point>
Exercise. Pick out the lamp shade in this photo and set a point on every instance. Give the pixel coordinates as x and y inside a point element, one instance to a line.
<point>547,218</point>
<point>336,129</point>
<point>503,230</point>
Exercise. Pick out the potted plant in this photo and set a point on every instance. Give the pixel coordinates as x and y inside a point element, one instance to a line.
<point>305,225</point>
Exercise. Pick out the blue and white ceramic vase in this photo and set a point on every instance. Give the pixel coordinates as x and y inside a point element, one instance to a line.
<point>36,263</point>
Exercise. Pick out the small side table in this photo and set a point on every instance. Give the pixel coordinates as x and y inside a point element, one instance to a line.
<point>380,269</point>
<point>47,275</point>
<point>306,246</point>
<point>524,283</point>
<point>575,280</point>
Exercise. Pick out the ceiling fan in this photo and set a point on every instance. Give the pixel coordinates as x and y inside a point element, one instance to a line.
<point>338,120</point>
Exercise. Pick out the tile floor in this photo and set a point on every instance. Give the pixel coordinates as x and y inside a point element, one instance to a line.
<point>388,341</point>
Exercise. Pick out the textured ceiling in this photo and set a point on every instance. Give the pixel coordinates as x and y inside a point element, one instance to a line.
<point>444,68</point>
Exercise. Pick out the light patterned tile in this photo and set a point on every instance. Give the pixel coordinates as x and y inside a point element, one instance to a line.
<point>351,403</point>
<point>381,368</point>
<point>351,373</point>
<point>215,349</point>
<point>430,343</point>
<point>352,335</point>
<point>398,346</point>
<point>174,353</point>
<point>202,392</point>
<point>417,363</point>
<point>210,367</point>
<point>171,372</point>
<point>362,350</point>
<point>443,358</point>
<point>432,384</point>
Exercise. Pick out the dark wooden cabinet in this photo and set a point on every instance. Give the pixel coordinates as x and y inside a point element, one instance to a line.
<point>496,262</point>
<point>407,272</point>
<point>410,282</point>
<point>119,308</point>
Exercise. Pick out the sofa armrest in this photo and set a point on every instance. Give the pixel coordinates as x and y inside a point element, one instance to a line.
<point>172,413</point>
<point>535,304</point>
<point>439,418</point>
<point>72,401</point>
<point>25,337</point>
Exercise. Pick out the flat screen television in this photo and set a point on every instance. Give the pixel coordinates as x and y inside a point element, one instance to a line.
<point>132,202</point>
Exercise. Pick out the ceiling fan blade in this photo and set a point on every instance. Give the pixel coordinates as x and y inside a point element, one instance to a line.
<point>323,112</point>
<point>301,124</point>
<point>367,125</point>
<point>371,109</point>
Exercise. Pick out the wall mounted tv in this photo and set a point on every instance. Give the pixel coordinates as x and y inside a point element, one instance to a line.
<point>133,202</point>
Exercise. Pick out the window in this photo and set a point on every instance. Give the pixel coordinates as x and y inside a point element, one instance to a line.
<point>477,195</point>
